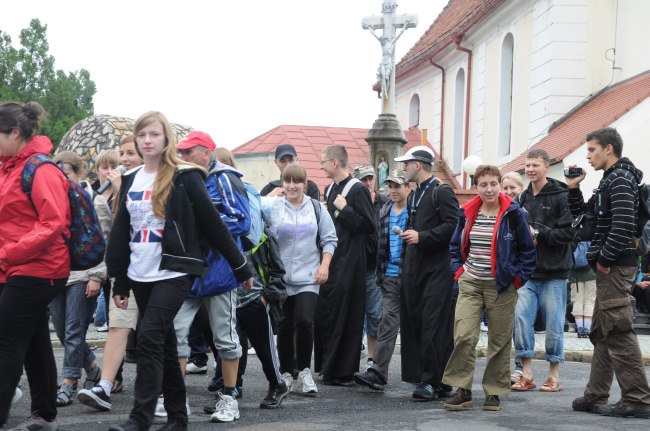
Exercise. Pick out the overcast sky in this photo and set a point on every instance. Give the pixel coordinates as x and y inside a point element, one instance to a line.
<point>234,69</point>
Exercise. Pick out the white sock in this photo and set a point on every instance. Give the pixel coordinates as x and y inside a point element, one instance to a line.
<point>106,386</point>
<point>587,323</point>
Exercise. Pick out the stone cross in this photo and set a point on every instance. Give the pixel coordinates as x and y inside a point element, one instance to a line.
<point>389,23</point>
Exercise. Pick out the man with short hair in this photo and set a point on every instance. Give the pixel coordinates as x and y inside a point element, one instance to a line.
<point>285,155</point>
<point>550,219</point>
<point>426,305</point>
<point>612,252</point>
<point>389,265</point>
<point>366,174</point>
<point>341,301</point>
<point>218,290</point>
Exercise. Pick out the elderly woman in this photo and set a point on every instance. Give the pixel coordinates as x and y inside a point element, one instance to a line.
<point>492,254</point>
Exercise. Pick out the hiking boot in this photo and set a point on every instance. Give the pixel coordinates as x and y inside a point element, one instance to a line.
<point>35,423</point>
<point>580,404</point>
<point>626,410</point>
<point>370,379</point>
<point>308,385</point>
<point>492,403</point>
<point>95,398</point>
<point>275,396</point>
<point>226,410</point>
<point>424,392</point>
<point>461,400</point>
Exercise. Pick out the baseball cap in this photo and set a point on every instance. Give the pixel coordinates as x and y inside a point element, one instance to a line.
<point>397,176</point>
<point>419,153</point>
<point>363,170</point>
<point>285,150</point>
<point>195,138</point>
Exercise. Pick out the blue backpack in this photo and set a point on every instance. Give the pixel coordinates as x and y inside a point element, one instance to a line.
<point>86,243</point>
<point>580,255</point>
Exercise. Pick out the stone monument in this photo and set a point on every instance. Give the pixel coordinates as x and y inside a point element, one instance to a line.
<point>385,138</point>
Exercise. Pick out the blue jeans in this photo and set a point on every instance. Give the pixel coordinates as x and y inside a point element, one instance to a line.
<point>550,297</point>
<point>69,311</point>
<point>373,304</point>
<point>100,311</point>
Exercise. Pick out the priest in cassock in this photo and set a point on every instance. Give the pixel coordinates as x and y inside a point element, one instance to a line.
<point>342,300</point>
<point>427,310</point>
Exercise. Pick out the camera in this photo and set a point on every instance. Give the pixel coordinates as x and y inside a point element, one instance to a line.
<point>572,172</point>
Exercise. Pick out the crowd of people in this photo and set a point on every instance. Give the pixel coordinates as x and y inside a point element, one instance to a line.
<point>198,261</point>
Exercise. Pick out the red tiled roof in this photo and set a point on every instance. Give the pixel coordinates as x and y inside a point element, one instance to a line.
<point>309,141</point>
<point>568,133</point>
<point>454,20</point>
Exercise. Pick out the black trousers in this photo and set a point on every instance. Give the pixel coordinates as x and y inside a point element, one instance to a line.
<point>299,311</point>
<point>253,322</point>
<point>25,340</point>
<point>157,367</point>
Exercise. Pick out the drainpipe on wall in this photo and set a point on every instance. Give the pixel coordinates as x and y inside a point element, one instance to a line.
<point>442,103</point>
<point>457,40</point>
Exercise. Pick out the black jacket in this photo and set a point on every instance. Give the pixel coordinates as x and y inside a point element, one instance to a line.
<point>613,207</point>
<point>549,213</point>
<point>192,224</point>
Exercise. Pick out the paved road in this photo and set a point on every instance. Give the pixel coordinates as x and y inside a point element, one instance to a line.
<point>361,409</point>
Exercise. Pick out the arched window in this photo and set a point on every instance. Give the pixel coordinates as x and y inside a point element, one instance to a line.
<point>459,117</point>
<point>505,97</point>
<point>414,111</point>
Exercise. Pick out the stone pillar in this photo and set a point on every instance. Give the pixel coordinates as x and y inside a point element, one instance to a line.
<point>386,140</point>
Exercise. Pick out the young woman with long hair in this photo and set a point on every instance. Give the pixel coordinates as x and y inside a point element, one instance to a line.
<point>164,215</point>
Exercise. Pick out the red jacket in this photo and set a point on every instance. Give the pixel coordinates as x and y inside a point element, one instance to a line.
<point>30,241</point>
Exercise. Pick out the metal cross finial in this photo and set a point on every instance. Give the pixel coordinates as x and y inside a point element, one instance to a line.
<point>388,22</point>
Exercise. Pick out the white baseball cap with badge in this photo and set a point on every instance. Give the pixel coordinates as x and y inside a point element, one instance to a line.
<point>420,153</point>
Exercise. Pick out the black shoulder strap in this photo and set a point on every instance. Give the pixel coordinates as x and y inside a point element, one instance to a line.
<point>317,210</point>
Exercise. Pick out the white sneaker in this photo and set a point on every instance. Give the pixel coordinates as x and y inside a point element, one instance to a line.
<point>18,394</point>
<point>103,328</point>
<point>226,410</point>
<point>484,327</point>
<point>192,368</point>
<point>160,408</point>
<point>308,385</point>
<point>288,379</point>
<point>187,405</point>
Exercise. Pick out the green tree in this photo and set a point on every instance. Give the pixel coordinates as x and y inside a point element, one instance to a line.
<point>28,74</point>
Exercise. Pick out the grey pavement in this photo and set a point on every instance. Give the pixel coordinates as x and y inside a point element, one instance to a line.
<point>359,408</point>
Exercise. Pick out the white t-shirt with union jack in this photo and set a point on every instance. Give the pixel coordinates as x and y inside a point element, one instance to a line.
<point>146,232</point>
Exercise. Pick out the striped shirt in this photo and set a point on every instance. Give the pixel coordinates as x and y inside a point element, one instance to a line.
<point>479,262</point>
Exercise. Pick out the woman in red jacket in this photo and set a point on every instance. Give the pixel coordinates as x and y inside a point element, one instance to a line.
<point>34,262</point>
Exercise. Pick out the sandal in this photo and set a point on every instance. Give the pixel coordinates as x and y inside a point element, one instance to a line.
<point>64,396</point>
<point>514,377</point>
<point>93,378</point>
<point>524,384</point>
<point>551,385</point>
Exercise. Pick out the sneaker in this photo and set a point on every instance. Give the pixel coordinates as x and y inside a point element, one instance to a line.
<point>95,398</point>
<point>174,425</point>
<point>308,385</point>
<point>216,384</point>
<point>160,408</point>
<point>35,423</point>
<point>461,400</point>
<point>424,392</point>
<point>18,394</point>
<point>492,403</point>
<point>192,368</point>
<point>484,327</point>
<point>226,410</point>
<point>369,364</point>
<point>102,328</point>
<point>370,379</point>
<point>251,351</point>
<point>288,380</point>
<point>275,396</point>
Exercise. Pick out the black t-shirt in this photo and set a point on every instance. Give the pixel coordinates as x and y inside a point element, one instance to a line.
<point>312,189</point>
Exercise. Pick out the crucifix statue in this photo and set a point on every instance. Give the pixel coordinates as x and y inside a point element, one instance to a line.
<point>389,23</point>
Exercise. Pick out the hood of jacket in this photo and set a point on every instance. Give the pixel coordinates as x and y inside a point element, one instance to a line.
<point>625,164</point>
<point>216,166</point>
<point>37,145</point>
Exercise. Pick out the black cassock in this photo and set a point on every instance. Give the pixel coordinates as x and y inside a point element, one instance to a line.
<point>342,300</point>
<point>426,308</point>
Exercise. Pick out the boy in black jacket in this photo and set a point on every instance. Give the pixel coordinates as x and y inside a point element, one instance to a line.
<point>612,253</point>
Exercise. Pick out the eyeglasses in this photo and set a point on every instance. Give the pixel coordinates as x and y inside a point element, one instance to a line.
<point>322,162</point>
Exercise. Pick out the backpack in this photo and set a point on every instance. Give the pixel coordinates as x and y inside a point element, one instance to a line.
<point>317,209</point>
<point>257,222</point>
<point>346,189</point>
<point>643,220</point>
<point>580,255</point>
<point>86,243</point>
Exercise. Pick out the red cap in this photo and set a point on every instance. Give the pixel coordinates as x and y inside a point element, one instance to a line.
<point>195,138</point>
